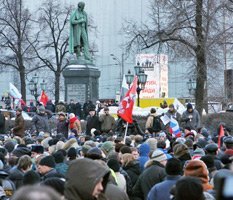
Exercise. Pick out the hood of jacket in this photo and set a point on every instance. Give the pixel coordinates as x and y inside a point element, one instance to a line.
<point>144,149</point>
<point>82,176</point>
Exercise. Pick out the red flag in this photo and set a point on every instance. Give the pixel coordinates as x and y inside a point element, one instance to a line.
<point>22,102</point>
<point>44,98</point>
<point>125,109</point>
<point>220,135</point>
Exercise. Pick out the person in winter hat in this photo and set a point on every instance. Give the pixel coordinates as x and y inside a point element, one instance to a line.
<point>153,173</point>
<point>74,123</point>
<point>198,168</point>
<point>47,168</point>
<point>191,117</point>
<point>91,180</point>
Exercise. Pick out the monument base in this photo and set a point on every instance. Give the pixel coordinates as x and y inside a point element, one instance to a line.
<point>81,82</point>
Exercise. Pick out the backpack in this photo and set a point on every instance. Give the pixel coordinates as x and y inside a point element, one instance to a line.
<point>156,124</point>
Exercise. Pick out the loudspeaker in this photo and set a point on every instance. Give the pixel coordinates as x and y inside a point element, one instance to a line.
<point>228,84</point>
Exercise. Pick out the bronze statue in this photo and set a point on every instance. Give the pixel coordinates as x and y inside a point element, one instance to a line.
<point>78,41</point>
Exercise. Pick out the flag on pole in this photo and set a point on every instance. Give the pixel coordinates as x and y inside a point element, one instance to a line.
<point>174,127</point>
<point>124,88</point>
<point>220,135</point>
<point>44,98</point>
<point>125,108</point>
<point>14,92</point>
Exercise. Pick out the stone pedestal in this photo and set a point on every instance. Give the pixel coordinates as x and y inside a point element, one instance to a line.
<point>81,82</point>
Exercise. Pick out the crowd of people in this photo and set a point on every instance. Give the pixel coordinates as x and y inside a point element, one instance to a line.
<point>93,160</point>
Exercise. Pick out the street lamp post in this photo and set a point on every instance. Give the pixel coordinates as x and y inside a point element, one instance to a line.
<point>33,86</point>
<point>121,64</point>
<point>191,84</point>
<point>142,78</point>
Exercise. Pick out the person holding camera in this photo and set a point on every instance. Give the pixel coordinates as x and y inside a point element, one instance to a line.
<point>191,117</point>
<point>107,121</point>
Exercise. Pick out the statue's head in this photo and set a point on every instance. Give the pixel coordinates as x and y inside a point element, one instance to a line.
<point>81,5</point>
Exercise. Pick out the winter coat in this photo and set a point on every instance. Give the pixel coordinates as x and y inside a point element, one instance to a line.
<point>161,190</point>
<point>62,127</point>
<point>40,123</point>
<point>133,170</point>
<point>50,106</point>
<point>107,122</point>
<point>113,192</point>
<point>144,151</point>
<point>152,175</point>
<point>74,123</point>
<point>92,122</point>
<point>191,119</point>
<point>52,173</point>
<point>2,123</point>
<point>18,129</point>
<point>16,176</point>
<point>81,178</point>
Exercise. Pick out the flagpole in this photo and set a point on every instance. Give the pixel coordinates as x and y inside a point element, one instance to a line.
<point>126,130</point>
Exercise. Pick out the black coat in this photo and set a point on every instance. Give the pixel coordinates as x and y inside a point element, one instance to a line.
<point>63,127</point>
<point>152,175</point>
<point>2,123</point>
<point>92,122</point>
<point>52,173</point>
<point>133,170</point>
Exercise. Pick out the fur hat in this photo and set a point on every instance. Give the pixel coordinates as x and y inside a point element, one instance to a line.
<point>180,150</point>
<point>158,155</point>
<point>48,161</point>
<point>20,151</point>
<point>198,168</point>
<point>45,142</point>
<point>70,143</point>
<point>37,149</point>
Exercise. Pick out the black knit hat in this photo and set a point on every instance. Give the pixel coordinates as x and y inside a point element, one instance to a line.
<point>48,161</point>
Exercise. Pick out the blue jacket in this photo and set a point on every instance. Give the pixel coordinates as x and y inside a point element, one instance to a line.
<point>144,151</point>
<point>161,191</point>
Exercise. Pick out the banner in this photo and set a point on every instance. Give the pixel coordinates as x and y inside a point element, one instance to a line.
<point>156,68</point>
<point>125,109</point>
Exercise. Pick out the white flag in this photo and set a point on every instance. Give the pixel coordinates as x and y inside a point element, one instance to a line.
<point>14,92</point>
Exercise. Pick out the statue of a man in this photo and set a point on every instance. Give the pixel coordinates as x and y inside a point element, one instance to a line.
<point>78,40</point>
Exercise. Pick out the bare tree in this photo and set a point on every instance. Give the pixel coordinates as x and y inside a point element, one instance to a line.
<point>191,29</point>
<point>16,51</point>
<point>52,39</point>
